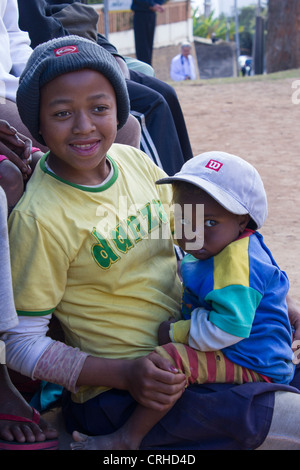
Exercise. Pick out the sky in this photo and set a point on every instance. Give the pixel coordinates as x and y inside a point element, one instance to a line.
<point>225,6</point>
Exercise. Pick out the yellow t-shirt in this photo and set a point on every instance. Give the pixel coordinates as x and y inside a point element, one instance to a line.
<point>101,258</point>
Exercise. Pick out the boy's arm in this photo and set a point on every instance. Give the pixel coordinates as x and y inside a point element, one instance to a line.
<point>199,333</point>
<point>151,380</point>
<point>229,320</point>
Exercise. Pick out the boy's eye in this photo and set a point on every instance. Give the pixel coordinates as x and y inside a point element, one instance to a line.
<point>62,113</point>
<point>210,223</point>
<point>100,109</point>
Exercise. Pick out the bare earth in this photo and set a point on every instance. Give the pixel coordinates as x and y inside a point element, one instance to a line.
<point>258,121</point>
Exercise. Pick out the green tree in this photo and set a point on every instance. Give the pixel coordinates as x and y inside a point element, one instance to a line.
<point>222,27</point>
<point>247,19</point>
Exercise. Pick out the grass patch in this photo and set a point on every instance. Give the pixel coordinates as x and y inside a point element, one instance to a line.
<point>286,74</point>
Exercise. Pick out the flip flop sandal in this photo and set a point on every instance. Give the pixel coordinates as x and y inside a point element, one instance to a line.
<point>49,444</point>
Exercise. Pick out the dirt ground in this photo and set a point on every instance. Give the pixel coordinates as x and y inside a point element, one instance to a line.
<point>258,121</point>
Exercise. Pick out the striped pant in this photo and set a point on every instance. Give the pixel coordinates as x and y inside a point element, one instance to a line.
<point>206,367</point>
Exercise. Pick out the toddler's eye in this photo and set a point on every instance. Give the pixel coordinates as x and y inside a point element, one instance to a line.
<point>185,221</point>
<point>210,223</point>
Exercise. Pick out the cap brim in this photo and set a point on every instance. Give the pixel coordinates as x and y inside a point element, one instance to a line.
<point>221,196</point>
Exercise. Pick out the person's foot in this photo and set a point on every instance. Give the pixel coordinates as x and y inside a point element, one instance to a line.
<point>34,429</point>
<point>109,442</point>
<point>22,428</point>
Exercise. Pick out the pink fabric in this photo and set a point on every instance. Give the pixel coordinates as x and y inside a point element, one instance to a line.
<point>60,364</point>
<point>3,157</point>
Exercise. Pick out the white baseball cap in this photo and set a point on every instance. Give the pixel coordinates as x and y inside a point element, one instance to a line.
<point>234,183</point>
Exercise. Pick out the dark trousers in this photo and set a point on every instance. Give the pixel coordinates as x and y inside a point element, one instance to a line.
<point>207,417</point>
<point>164,134</point>
<point>144,27</point>
<point>170,96</point>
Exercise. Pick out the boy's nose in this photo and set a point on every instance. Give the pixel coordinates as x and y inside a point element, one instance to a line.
<point>83,124</point>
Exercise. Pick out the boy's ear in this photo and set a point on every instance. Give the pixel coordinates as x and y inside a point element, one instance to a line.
<point>243,221</point>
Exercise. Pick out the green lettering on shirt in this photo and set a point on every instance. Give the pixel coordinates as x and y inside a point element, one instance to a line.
<point>149,218</point>
<point>120,239</point>
<point>152,221</point>
<point>135,227</point>
<point>102,252</point>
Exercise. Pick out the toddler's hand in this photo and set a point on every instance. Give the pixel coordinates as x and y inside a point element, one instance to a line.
<point>163,332</point>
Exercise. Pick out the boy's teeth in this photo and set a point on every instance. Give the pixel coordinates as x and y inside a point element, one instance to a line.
<point>83,146</point>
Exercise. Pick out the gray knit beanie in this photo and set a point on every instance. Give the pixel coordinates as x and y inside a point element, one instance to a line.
<point>63,55</point>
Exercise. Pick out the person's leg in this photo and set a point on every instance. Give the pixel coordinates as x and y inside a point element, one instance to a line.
<point>8,314</point>
<point>284,432</point>
<point>128,437</point>
<point>202,367</point>
<point>198,367</point>
<point>18,421</point>
<point>130,133</point>
<point>139,66</point>
<point>206,417</point>
<point>169,94</point>
<point>14,409</point>
<point>11,180</point>
<point>144,28</point>
<point>159,138</point>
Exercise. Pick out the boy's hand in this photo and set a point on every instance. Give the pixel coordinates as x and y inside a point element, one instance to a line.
<point>154,382</point>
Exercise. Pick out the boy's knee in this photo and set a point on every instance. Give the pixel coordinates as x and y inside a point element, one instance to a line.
<point>10,173</point>
<point>11,180</point>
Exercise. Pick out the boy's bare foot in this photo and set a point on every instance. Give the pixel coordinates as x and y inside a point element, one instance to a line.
<point>112,441</point>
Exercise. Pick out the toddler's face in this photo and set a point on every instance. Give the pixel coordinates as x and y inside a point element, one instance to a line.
<point>219,226</point>
<point>78,121</point>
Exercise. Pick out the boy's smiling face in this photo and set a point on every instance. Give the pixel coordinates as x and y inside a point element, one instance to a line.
<point>78,121</point>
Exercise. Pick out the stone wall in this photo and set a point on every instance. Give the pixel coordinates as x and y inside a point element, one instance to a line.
<point>215,60</point>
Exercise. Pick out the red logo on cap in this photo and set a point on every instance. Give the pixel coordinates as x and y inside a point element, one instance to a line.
<point>214,165</point>
<point>65,50</point>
